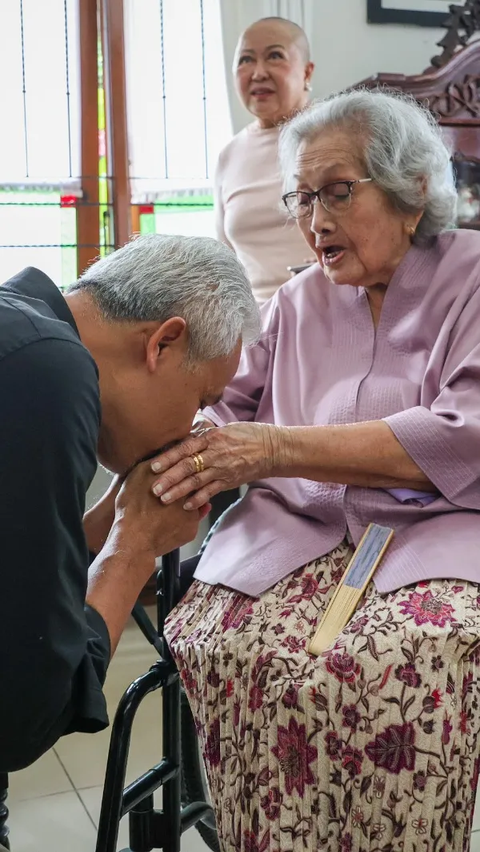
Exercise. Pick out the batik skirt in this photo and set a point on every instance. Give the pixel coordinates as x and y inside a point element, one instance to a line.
<point>371,746</point>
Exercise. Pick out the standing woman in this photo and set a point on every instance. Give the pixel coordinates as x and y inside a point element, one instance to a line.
<point>272,71</point>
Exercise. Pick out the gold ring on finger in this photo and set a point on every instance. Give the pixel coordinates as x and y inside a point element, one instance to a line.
<point>198,462</point>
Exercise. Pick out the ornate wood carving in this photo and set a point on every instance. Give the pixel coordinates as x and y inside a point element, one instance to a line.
<point>459,97</point>
<point>462,23</point>
<point>450,88</point>
<point>451,91</point>
<point>4,832</point>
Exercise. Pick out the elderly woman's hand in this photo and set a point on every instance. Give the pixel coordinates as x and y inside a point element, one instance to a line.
<point>216,460</point>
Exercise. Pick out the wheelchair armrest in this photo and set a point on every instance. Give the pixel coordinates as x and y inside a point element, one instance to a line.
<point>187,570</point>
<point>172,586</point>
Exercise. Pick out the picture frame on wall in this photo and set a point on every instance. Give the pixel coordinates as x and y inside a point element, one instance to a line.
<point>422,13</point>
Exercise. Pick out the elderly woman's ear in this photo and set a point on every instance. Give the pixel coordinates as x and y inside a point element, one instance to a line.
<point>412,225</point>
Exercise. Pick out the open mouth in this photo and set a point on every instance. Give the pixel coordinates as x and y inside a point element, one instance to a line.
<point>332,255</point>
<point>261,93</point>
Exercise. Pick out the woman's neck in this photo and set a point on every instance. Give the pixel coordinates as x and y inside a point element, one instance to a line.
<point>375,296</point>
<point>268,123</point>
<point>264,124</point>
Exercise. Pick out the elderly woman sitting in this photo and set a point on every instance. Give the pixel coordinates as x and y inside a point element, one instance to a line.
<point>360,403</point>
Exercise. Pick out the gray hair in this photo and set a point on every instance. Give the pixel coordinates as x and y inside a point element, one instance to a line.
<point>403,152</point>
<point>156,277</point>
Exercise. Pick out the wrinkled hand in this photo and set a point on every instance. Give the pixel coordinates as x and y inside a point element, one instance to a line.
<point>147,524</point>
<point>232,455</point>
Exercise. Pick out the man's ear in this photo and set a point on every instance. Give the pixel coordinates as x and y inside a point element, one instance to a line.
<point>164,340</point>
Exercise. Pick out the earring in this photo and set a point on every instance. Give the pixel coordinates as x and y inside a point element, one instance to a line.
<point>308,86</point>
<point>411,230</point>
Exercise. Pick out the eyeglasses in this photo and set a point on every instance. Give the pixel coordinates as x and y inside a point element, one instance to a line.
<point>334,197</point>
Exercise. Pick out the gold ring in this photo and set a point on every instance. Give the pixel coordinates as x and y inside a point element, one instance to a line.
<point>198,462</point>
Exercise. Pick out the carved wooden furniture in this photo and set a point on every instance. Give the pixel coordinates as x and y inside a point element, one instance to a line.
<point>450,87</point>
<point>3,811</point>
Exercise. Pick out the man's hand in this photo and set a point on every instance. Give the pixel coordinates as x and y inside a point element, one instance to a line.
<point>148,526</point>
<point>142,529</point>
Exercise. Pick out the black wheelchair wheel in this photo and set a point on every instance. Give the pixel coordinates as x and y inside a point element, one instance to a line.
<point>194,781</point>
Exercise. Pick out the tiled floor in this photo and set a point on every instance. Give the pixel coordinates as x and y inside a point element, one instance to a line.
<point>54,805</point>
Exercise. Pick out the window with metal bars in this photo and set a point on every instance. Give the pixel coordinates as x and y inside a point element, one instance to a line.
<point>178,115</point>
<point>40,140</point>
<point>178,120</point>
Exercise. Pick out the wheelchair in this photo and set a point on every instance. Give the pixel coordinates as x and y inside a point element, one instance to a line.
<point>180,772</point>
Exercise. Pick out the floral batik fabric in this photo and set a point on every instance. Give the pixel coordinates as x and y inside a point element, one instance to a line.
<point>371,746</point>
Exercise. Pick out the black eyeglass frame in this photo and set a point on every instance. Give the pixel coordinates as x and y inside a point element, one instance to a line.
<point>317,194</point>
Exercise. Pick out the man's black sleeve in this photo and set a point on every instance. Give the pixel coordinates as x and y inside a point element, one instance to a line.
<point>54,650</point>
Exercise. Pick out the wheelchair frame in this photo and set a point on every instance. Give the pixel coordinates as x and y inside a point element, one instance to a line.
<point>149,828</point>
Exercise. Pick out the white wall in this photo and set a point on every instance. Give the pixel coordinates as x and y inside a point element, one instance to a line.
<point>345,48</point>
<point>98,487</point>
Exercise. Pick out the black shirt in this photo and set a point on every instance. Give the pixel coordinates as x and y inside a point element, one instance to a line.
<point>54,649</point>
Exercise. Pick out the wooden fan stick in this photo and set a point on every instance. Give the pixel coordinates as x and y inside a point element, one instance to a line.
<point>351,587</point>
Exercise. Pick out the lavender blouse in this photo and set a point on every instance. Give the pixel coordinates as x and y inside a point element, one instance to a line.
<point>320,361</point>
